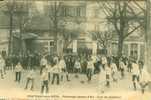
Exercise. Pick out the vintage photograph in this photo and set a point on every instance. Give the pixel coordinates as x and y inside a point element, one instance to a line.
<point>75,49</point>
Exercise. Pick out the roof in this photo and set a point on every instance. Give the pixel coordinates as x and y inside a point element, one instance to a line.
<point>25,35</point>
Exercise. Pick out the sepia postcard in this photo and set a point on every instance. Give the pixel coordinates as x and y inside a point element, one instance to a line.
<point>75,49</point>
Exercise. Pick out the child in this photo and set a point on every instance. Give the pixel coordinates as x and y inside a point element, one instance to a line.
<point>103,61</point>
<point>43,63</point>
<point>44,77</point>
<point>90,69</point>
<point>63,69</point>
<point>49,67</point>
<point>30,77</point>
<point>114,70</point>
<point>18,70</point>
<point>135,73</point>
<point>56,71</point>
<point>77,67</point>
<point>122,68</point>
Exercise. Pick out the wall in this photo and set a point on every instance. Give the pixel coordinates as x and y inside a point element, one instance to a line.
<point>4,36</point>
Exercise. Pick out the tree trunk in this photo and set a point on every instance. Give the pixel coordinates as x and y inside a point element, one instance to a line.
<point>120,46</point>
<point>55,22</point>
<point>21,32</point>
<point>10,46</point>
<point>55,36</point>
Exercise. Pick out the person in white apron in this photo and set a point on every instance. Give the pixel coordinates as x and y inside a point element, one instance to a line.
<point>63,69</point>
<point>144,78</point>
<point>49,67</point>
<point>18,72</point>
<point>77,67</point>
<point>114,70</point>
<point>56,74</point>
<point>30,78</point>
<point>122,68</point>
<point>90,69</point>
<point>135,74</point>
<point>104,62</point>
<point>45,81</point>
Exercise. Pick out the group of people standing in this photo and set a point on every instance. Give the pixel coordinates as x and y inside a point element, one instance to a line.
<point>51,72</point>
<point>58,68</point>
<point>116,71</point>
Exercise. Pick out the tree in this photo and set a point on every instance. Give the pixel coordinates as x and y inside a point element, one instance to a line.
<point>54,14</point>
<point>21,12</point>
<point>18,13</point>
<point>69,36</point>
<point>124,19</point>
<point>10,12</point>
<point>63,35</point>
<point>71,33</point>
<point>103,38</point>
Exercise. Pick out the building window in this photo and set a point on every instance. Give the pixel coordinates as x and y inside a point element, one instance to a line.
<point>50,46</point>
<point>81,11</point>
<point>51,43</point>
<point>134,50</point>
<point>78,11</point>
<point>73,11</point>
<point>66,11</point>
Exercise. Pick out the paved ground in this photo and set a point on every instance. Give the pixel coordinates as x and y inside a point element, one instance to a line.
<point>122,90</point>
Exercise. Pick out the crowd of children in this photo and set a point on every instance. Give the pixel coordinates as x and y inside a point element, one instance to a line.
<point>94,65</point>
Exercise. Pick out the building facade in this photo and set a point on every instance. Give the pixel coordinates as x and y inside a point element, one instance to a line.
<point>78,15</point>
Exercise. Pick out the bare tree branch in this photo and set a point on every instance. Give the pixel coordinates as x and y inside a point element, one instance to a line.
<point>136,3</point>
<point>102,38</point>
<point>122,14</point>
<point>129,33</point>
<point>105,9</point>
